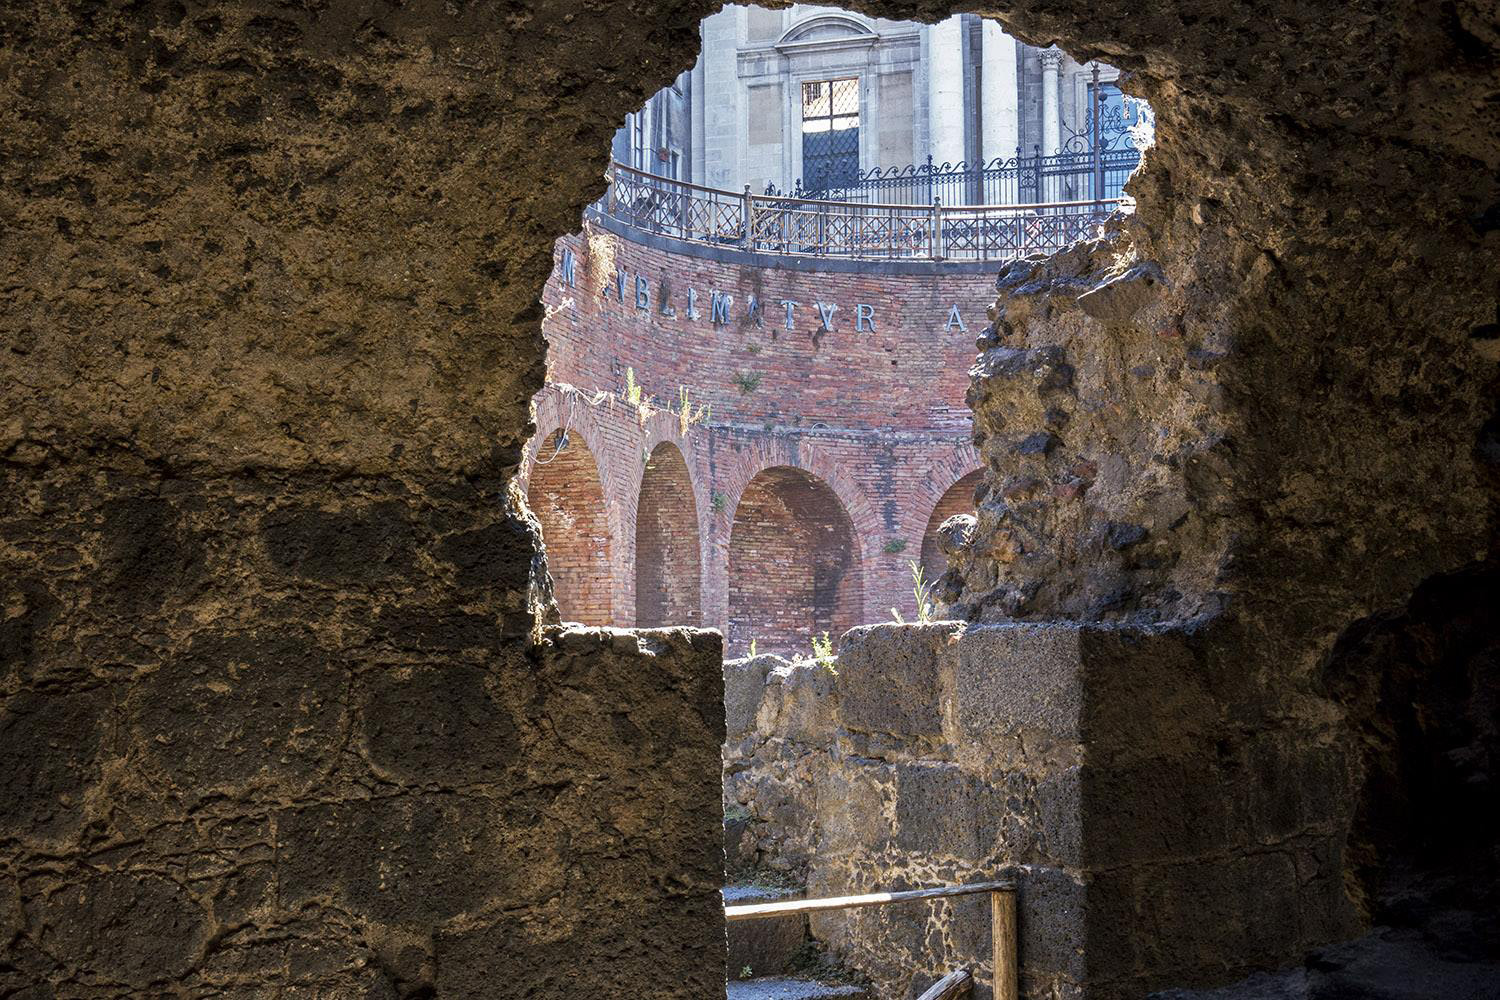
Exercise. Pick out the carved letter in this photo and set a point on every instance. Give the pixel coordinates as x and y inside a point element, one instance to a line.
<point>863,315</point>
<point>825,313</point>
<point>954,319</point>
<point>790,305</point>
<point>569,268</point>
<point>752,310</point>
<point>642,292</point>
<point>718,307</point>
<point>693,312</point>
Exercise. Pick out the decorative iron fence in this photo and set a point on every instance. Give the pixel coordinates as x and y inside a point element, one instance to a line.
<point>1091,163</point>
<point>829,228</point>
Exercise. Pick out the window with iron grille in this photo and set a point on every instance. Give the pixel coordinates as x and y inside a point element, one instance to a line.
<point>830,133</point>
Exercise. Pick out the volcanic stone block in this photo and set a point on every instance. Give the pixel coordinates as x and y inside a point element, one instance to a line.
<point>744,686</point>
<point>942,810</point>
<point>892,678</point>
<point>49,746</point>
<point>131,928</point>
<point>206,719</point>
<point>799,703</point>
<point>1017,681</point>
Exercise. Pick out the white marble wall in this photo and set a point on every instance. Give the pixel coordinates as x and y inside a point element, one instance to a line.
<point>913,99</point>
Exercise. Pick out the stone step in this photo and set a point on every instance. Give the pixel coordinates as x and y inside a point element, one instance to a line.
<point>779,988</point>
<point>766,947</point>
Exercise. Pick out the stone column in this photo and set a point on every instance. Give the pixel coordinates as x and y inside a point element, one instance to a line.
<point>999,100</point>
<point>696,105</point>
<point>945,91</point>
<point>1051,111</point>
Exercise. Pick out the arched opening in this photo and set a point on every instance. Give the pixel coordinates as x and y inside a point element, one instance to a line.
<point>794,570</point>
<point>667,563</point>
<point>568,499</point>
<point>958,500</point>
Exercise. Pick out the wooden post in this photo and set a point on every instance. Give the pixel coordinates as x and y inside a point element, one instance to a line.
<point>1007,984</point>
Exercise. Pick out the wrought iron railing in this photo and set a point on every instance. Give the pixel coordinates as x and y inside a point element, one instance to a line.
<point>819,227</point>
<point>1092,162</point>
<point>1019,180</point>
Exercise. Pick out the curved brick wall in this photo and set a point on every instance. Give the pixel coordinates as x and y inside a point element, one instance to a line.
<point>863,396</point>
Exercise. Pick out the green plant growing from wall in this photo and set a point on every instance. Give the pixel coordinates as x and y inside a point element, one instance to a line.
<point>923,592</point>
<point>823,654</point>
<point>747,382</point>
<point>637,399</point>
<point>718,501</point>
<point>894,546</point>
<point>752,649</point>
<point>687,414</point>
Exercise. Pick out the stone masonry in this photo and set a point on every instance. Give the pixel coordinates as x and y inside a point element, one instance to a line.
<point>270,334</point>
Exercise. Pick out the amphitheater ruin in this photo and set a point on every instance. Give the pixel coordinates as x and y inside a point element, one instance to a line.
<point>401,465</point>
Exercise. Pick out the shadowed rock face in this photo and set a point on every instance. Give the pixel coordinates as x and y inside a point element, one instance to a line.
<point>269,330</point>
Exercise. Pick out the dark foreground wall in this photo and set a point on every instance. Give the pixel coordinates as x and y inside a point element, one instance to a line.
<point>270,321</point>
<point>276,717</point>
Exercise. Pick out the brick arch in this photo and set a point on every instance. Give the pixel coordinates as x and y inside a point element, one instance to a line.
<point>733,468</point>
<point>566,493</point>
<point>668,555</point>
<point>795,569</point>
<point>957,499</point>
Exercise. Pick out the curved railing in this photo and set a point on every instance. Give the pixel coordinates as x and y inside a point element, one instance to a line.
<point>808,227</point>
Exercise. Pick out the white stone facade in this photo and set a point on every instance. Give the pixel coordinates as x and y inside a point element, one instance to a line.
<point>961,90</point>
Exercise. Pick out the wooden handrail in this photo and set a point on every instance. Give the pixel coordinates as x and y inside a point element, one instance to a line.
<point>958,983</point>
<point>786,907</point>
<point>1003,949</point>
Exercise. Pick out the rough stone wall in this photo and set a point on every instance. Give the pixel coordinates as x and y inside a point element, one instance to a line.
<point>1300,324</point>
<point>275,714</point>
<point>290,256</point>
<point>1089,762</point>
<point>1098,425</point>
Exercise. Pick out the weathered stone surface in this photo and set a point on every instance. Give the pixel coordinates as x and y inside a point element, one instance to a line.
<point>744,687</point>
<point>1018,686</point>
<point>899,689</point>
<point>287,259</point>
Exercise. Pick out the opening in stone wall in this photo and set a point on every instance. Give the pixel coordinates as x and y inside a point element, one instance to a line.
<point>790,267</point>
<point>764,330</point>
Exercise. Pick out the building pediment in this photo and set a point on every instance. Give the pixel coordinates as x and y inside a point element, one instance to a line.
<point>826,30</point>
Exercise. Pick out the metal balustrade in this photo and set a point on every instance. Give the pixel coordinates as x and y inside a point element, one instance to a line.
<point>811,227</point>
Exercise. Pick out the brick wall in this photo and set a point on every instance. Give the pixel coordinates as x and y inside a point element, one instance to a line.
<point>668,565</point>
<point>794,571</point>
<point>568,499</point>
<point>872,419</point>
